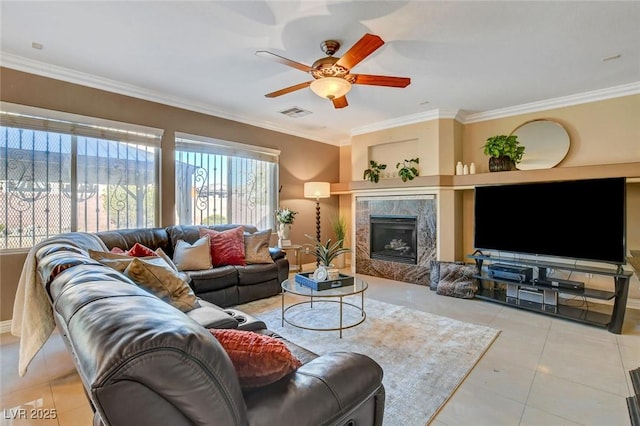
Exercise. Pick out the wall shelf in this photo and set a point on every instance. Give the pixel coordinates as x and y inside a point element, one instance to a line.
<point>629,170</point>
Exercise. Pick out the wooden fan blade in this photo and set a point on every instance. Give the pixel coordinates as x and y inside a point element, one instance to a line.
<point>288,90</point>
<point>364,47</point>
<point>381,80</point>
<point>283,60</point>
<point>340,102</point>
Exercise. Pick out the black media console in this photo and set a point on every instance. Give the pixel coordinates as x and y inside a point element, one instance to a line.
<point>511,282</point>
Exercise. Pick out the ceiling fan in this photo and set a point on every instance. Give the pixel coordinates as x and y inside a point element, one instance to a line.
<point>332,76</point>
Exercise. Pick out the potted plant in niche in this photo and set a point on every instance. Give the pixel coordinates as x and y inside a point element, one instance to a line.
<point>374,170</point>
<point>504,152</point>
<point>407,169</point>
<point>339,226</point>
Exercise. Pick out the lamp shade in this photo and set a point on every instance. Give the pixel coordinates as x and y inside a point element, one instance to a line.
<point>330,87</point>
<point>317,190</point>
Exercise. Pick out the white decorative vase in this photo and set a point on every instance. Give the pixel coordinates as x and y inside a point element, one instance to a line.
<point>284,231</point>
<point>333,273</point>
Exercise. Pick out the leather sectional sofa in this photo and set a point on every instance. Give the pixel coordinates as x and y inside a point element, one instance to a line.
<point>223,285</point>
<point>144,362</point>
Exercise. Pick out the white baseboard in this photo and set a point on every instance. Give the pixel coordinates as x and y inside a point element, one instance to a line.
<point>5,326</point>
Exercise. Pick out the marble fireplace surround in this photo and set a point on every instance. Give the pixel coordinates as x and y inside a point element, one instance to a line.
<point>424,207</point>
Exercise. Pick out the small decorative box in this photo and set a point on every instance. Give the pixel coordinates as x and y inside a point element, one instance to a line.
<point>305,279</point>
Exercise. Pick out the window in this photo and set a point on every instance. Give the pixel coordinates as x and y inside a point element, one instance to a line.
<point>219,182</point>
<point>62,173</point>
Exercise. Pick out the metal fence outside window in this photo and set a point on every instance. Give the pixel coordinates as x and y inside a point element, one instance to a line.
<point>55,182</point>
<point>215,188</point>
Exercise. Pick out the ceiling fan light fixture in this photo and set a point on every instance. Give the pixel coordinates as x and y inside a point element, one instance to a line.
<point>330,87</point>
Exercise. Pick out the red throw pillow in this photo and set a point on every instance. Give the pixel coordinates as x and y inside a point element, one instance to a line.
<point>138,250</point>
<point>259,360</point>
<point>226,247</point>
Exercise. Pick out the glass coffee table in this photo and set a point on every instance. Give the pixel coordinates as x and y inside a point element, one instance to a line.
<point>334,296</point>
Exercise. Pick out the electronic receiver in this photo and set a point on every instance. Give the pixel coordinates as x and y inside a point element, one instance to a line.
<point>510,272</point>
<point>560,283</point>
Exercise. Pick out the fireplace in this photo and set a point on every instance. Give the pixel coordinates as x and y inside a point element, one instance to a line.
<point>393,238</point>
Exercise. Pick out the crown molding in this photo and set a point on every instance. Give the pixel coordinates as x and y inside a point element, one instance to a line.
<point>434,114</point>
<point>560,102</point>
<point>19,63</point>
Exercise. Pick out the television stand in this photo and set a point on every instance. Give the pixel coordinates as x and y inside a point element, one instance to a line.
<point>541,295</point>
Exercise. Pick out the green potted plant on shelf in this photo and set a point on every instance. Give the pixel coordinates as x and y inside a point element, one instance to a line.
<point>504,152</point>
<point>374,170</point>
<point>407,169</point>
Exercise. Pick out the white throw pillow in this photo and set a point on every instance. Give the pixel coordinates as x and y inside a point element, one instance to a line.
<point>192,257</point>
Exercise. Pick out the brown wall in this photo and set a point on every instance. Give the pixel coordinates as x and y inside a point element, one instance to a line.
<point>28,89</point>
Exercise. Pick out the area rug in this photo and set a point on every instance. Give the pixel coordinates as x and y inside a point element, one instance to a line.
<point>424,357</point>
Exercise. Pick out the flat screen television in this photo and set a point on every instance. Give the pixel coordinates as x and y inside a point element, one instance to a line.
<point>579,219</point>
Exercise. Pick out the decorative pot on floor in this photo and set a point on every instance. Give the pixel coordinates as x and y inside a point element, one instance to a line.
<point>501,164</point>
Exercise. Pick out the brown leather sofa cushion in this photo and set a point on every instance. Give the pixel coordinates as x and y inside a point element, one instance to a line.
<point>126,238</point>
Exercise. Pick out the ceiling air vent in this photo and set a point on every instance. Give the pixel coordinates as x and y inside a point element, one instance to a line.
<point>295,112</point>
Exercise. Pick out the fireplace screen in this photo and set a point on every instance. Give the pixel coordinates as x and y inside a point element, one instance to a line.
<point>393,238</point>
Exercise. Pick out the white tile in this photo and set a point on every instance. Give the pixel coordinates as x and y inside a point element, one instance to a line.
<point>518,348</point>
<point>586,361</point>
<point>68,393</point>
<point>535,417</point>
<point>10,380</point>
<point>576,402</point>
<point>503,377</point>
<point>473,405</point>
<point>80,416</point>
<point>562,330</point>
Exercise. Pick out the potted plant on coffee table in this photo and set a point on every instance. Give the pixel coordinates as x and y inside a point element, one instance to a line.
<point>504,152</point>
<point>325,254</point>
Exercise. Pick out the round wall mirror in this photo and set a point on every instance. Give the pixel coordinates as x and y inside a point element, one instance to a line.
<point>546,143</point>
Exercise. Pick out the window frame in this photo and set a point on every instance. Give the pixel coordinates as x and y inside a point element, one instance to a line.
<point>185,142</point>
<point>78,126</point>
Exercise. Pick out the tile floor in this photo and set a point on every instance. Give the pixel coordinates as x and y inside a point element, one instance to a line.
<point>539,371</point>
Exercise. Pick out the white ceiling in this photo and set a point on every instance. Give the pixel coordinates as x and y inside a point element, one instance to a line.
<point>470,58</point>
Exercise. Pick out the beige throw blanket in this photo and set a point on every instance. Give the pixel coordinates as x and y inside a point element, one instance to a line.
<point>32,313</point>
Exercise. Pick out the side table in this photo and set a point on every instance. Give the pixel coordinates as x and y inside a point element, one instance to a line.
<point>295,248</point>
